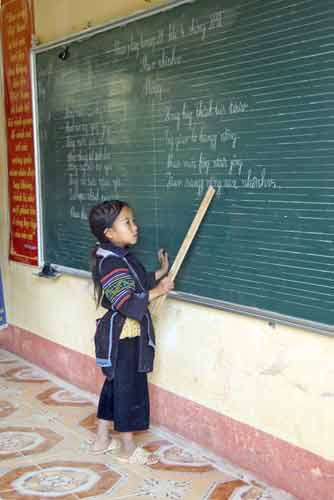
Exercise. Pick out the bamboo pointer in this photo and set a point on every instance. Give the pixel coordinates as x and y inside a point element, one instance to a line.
<point>156,305</point>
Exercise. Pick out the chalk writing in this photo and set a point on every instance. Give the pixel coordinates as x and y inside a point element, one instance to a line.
<point>235,181</point>
<point>204,165</point>
<point>138,132</point>
<point>203,109</point>
<point>200,27</point>
<point>89,169</point>
<point>167,59</point>
<point>153,88</point>
<point>200,136</point>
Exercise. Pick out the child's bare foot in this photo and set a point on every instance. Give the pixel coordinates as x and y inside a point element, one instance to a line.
<point>102,439</point>
<point>100,445</point>
<point>127,450</point>
<point>128,444</point>
<point>133,454</point>
<point>139,456</point>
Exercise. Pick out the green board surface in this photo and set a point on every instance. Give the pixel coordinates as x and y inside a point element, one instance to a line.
<point>234,94</point>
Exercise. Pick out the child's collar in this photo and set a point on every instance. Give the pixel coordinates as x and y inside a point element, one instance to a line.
<point>106,248</point>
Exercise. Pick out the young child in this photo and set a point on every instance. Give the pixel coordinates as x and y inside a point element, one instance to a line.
<point>124,339</point>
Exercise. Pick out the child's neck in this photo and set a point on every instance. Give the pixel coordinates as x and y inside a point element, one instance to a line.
<point>116,245</point>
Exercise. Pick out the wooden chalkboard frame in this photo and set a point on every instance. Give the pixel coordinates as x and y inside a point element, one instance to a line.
<point>262,314</point>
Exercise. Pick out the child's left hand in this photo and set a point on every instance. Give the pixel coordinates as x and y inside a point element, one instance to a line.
<point>164,262</point>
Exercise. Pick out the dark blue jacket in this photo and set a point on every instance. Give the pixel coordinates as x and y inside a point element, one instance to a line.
<point>125,285</point>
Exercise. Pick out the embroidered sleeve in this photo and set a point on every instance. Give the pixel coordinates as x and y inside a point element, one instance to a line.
<point>118,286</point>
<point>120,290</point>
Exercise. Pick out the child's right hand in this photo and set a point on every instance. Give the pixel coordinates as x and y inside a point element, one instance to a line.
<point>166,285</point>
<point>163,287</point>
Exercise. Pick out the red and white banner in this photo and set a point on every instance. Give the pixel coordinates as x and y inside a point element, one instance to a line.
<point>16,34</point>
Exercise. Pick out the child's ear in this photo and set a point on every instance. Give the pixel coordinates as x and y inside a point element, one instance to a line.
<point>108,232</point>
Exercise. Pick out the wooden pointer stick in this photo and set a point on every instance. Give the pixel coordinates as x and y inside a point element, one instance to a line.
<point>156,305</point>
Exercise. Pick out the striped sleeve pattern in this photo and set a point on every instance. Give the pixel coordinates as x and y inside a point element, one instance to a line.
<point>118,286</point>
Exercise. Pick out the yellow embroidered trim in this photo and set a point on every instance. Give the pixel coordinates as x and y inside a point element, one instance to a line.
<point>131,328</point>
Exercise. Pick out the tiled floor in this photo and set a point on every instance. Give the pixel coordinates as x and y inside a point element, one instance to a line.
<point>45,429</point>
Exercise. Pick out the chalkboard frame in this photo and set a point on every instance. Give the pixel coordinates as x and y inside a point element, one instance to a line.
<point>272,317</point>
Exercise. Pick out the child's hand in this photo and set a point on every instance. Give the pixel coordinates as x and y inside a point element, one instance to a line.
<point>164,263</point>
<point>163,259</point>
<point>166,285</point>
<point>163,287</point>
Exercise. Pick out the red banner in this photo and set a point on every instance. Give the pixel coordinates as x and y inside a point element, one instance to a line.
<point>16,32</point>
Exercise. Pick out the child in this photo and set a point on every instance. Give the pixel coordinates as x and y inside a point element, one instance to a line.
<point>124,340</point>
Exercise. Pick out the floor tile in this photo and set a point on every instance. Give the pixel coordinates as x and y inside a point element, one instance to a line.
<point>46,429</point>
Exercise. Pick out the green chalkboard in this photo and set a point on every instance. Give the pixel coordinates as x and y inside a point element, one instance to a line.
<point>230,93</point>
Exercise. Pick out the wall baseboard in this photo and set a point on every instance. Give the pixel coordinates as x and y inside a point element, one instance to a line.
<point>281,464</point>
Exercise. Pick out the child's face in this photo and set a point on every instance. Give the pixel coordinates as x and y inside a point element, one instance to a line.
<point>124,230</point>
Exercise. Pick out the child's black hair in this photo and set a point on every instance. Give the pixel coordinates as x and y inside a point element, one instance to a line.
<point>102,217</point>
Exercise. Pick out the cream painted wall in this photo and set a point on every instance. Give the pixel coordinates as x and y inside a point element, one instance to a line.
<point>56,19</point>
<point>279,380</point>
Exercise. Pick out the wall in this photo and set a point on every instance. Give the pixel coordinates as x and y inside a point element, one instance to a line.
<point>264,387</point>
<point>58,19</point>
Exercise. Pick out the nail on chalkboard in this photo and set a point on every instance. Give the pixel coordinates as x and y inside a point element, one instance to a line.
<point>64,54</point>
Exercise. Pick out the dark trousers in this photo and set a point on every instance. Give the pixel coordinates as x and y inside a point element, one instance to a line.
<point>125,399</point>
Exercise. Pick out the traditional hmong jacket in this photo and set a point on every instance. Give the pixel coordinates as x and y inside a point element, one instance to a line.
<point>125,284</point>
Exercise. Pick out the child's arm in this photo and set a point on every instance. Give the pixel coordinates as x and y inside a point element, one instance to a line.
<point>119,288</point>
<point>163,287</point>
<point>153,277</point>
<point>166,284</point>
